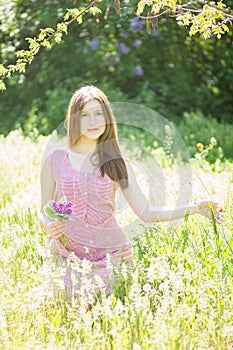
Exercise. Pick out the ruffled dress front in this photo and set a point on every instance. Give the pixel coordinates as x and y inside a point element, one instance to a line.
<point>92,233</point>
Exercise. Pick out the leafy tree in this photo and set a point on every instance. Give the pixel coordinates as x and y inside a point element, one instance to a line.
<point>204,17</point>
<point>167,70</point>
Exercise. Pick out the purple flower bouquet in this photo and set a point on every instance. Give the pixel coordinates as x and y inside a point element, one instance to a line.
<point>59,210</point>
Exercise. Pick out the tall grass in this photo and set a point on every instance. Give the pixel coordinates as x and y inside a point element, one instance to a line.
<point>178,294</point>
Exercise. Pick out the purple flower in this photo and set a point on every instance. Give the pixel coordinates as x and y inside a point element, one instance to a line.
<point>136,24</point>
<point>68,211</point>
<point>68,204</point>
<point>155,32</point>
<point>94,44</point>
<point>124,34</point>
<point>61,208</point>
<point>111,63</point>
<point>137,43</point>
<point>7,7</point>
<point>54,205</point>
<point>124,49</point>
<point>117,44</point>
<point>138,71</point>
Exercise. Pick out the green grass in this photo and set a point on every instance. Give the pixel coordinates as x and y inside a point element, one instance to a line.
<point>178,294</point>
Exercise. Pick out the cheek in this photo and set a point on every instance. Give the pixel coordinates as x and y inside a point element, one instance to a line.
<point>100,121</point>
<point>83,123</point>
<point>103,123</point>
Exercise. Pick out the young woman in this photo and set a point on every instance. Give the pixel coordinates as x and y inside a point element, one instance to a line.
<point>88,172</point>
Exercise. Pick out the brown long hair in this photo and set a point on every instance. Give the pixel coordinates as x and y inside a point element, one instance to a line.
<point>108,153</point>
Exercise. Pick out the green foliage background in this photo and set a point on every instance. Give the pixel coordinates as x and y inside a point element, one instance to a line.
<point>179,74</point>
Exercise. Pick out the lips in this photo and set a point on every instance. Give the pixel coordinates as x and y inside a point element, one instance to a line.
<point>93,129</point>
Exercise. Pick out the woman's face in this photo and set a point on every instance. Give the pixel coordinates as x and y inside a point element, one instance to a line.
<point>92,120</point>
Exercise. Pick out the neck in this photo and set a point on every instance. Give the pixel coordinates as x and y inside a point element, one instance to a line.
<point>85,146</point>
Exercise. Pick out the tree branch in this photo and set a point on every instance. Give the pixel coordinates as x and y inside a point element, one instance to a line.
<point>26,57</point>
<point>192,3</point>
<point>73,19</point>
<point>226,11</point>
<point>152,17</point>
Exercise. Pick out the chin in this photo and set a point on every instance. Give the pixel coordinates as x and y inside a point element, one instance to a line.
<point>93,134</point>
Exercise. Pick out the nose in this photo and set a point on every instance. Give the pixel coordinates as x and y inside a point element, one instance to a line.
<point>92,118</point>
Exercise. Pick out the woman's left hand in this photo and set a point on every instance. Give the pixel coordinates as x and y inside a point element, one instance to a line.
<point>211,209</point>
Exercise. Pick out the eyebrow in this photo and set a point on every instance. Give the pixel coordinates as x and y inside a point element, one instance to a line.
<point>87,110</point>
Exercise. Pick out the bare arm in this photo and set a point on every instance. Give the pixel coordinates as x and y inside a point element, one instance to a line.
<point>54,228</point>
<point>140,205</point>
<point>47,184</point>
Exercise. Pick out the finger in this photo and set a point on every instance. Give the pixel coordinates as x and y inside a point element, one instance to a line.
<point>58,227</point>
<point>59,224</point>
<point>56,235</point>
<point>219,219</point>
<point>54,232</point>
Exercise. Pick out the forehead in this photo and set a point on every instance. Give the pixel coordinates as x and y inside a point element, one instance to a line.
<point>92,105</point>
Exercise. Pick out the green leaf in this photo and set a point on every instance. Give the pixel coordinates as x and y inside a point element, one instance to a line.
<point>80,19</point>
<point>50,213</point>
<point>46,43</point>
<point>58,38</point>
<point>62,27</point>
<point>64,240</point>
<point>140,7</point>
<point>2,85</point>
<point>3,70</point>
<point>20,53</point>
<point>62,200</point>
<point>94,10</point>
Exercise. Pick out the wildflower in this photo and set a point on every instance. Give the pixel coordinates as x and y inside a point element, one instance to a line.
<point>59,210</point>
<point>138,71</point>
<point>136,24</point>
<point>200,146</point>
<point>111,63</point>
<point>220,209</point>
<point>137,43</point>
<point>146,287</point>
<point>94,44</point>
<point>213,141</point>
<point>155,32</point>
<point>124,34</point>
<point>68,211</point>
<point>124,49</point>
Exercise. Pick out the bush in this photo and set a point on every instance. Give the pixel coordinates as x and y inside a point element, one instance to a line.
<point>196,127</point>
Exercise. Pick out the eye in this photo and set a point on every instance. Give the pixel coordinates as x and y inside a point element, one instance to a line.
<point>99,113</point>
<point>83,115</point>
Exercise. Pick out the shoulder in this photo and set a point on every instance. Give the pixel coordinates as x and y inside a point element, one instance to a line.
<point>58,154</point>
<point>53,161</point>
<point>57,157</point>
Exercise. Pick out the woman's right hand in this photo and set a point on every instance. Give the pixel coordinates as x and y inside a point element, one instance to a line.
<point>211,209</point>
<point>56,229</point>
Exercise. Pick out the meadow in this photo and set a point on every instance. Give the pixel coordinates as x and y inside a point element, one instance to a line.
<point>178,294</point>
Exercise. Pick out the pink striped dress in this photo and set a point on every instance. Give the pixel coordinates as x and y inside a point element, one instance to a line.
<point>92,233</point>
